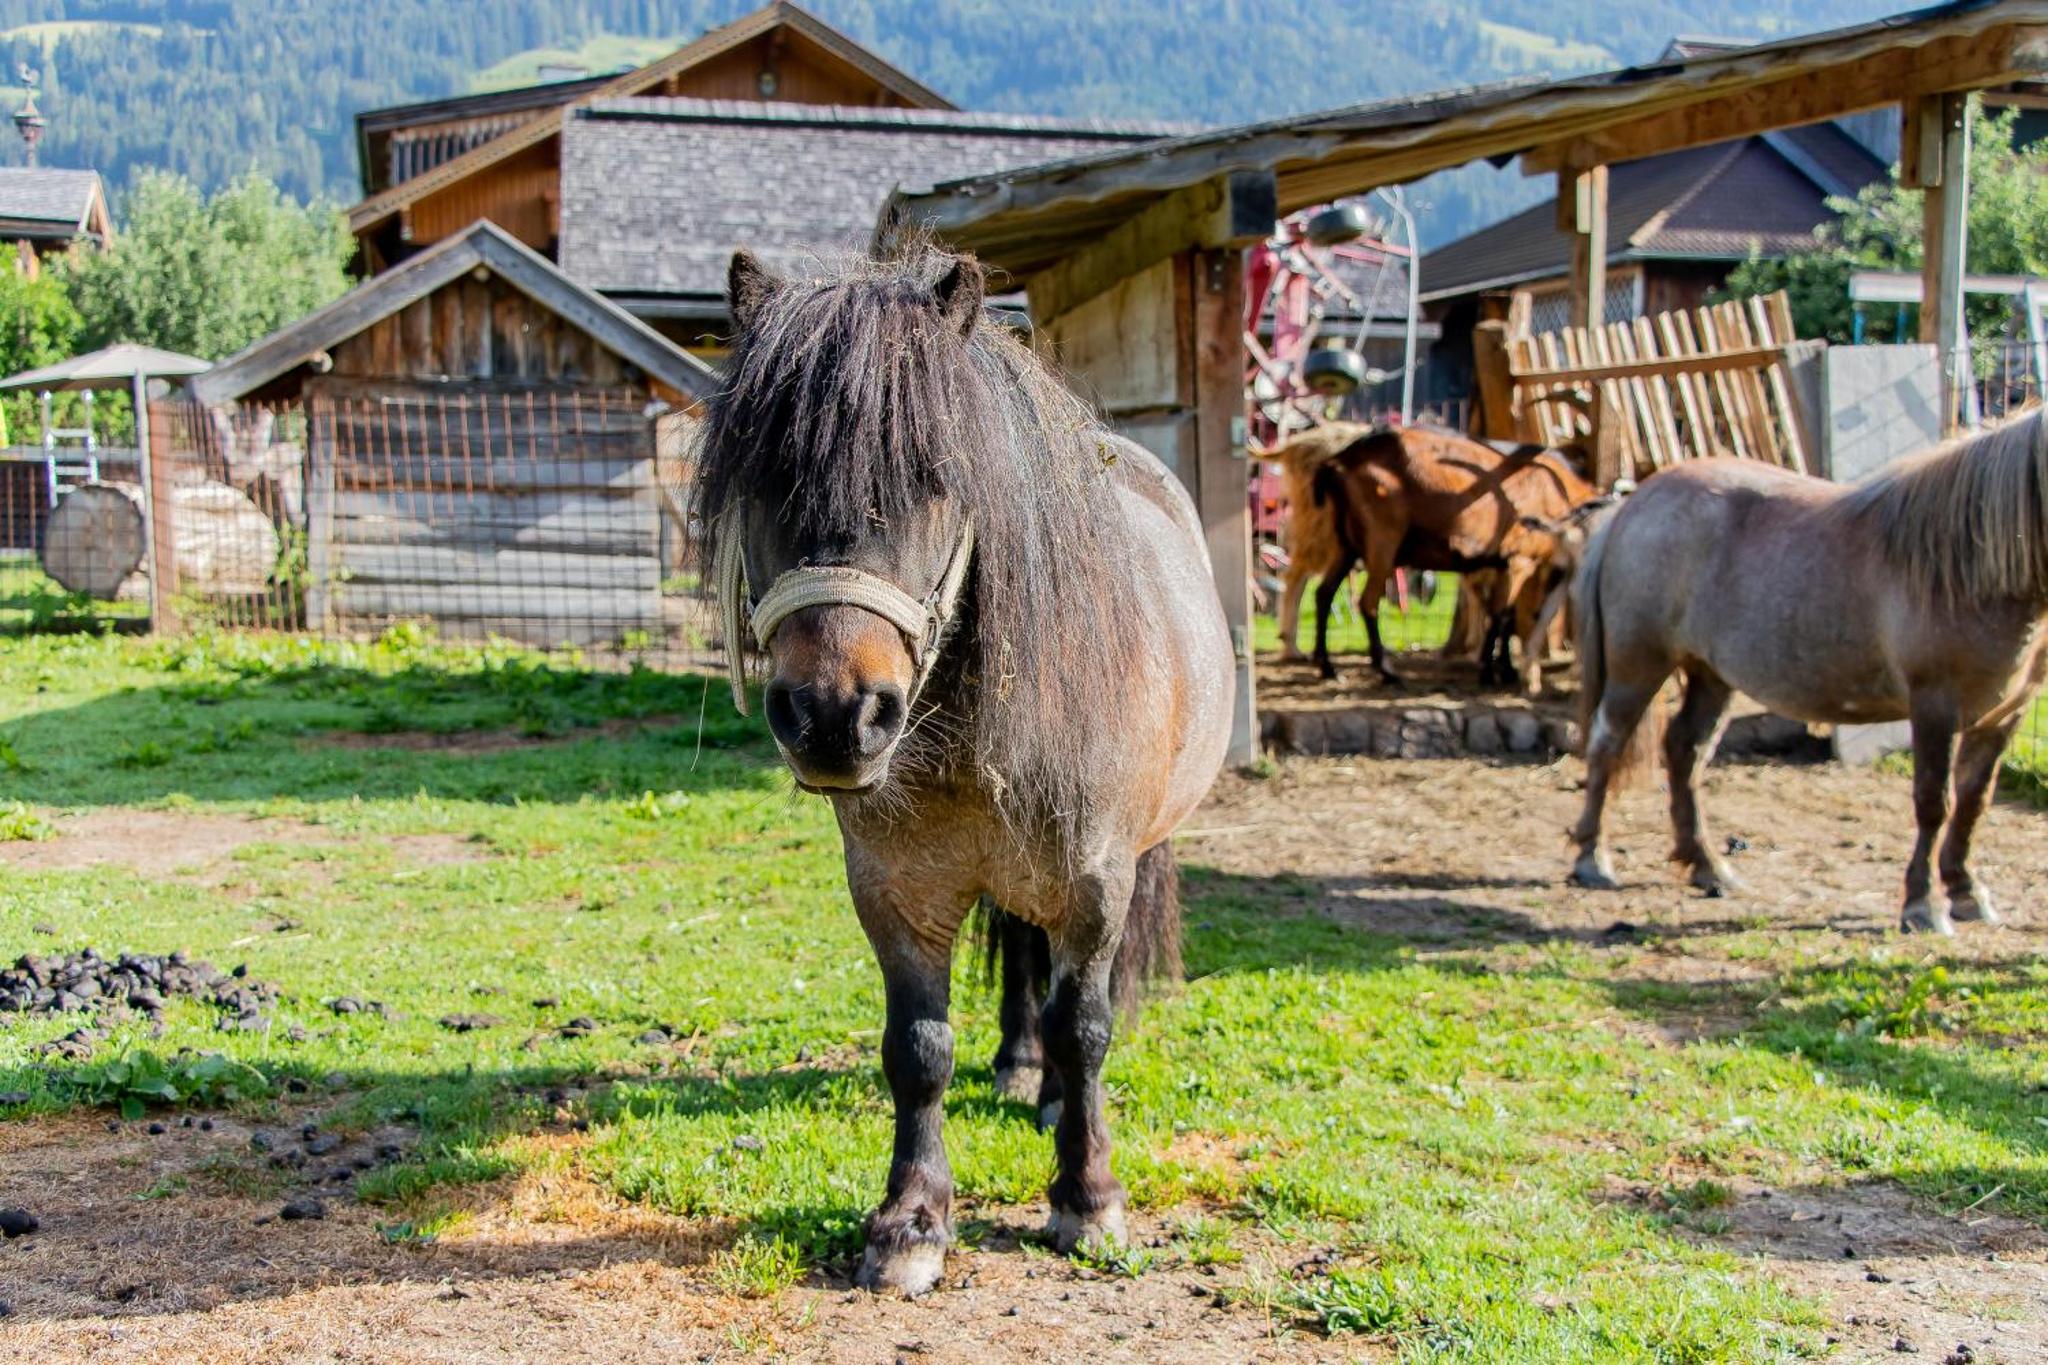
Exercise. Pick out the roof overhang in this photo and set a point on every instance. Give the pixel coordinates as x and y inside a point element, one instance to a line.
<point>1026,219</point>
<point>487,245</point>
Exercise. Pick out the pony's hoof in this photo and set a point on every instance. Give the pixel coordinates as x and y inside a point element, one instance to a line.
<point>1019,1083</point>
<point>1327,673</point>
<point>1592,872</point>
<point>1926,916</point>
<point>1068,1229</point>
<point>909,1270</point>
<point>1975,907</point>
<point>1049,1116</point>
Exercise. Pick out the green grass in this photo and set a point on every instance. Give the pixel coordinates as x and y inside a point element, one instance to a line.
<point>1451,1128</point>
<point>1425,625</point>
<point>31,600</point>
<point>605,52</point>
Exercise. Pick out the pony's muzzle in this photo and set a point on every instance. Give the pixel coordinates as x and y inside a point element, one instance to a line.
<point>836,739</point>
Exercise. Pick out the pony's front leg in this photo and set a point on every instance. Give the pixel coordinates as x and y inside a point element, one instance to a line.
<point>907,1238</point>
<point>1976,771</point>
<point>1934,757</point>
<point>1087,1202</point>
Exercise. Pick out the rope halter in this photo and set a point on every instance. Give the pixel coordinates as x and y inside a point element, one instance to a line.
<point>921,621</point>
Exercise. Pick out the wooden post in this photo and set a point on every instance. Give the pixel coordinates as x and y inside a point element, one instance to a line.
<point>1582,212</point>
<point>159,514</point>
<point>1935,158</point>
<point>1221,483</point>
<point>1493,414</point>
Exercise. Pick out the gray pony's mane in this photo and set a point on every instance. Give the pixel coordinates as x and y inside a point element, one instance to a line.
<point>1968,520</point>
<point>850,403</point>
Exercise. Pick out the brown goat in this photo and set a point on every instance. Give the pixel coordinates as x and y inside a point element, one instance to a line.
<point>1425,498</point>
<point>1312,544</point>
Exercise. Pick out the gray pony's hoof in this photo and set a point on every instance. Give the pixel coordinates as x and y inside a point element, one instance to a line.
<point>1926,916</point>
<point>1595,873</point>
<point>1068,1229</point>
<point>1019,1083</point>
<point>1974,907</point>
<point>906,1270</point>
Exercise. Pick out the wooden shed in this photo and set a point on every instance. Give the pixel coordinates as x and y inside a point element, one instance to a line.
<point>1133,261</point>
<point>478,439</point>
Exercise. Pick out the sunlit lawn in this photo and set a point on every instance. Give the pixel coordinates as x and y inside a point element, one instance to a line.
<point>1453,1124</point>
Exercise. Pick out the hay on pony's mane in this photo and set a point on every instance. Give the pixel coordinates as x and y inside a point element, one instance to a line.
<point>1968,520</point>
<point>850,403</point>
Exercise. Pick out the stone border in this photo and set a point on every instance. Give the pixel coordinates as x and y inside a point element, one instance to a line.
<point>1479,730</point>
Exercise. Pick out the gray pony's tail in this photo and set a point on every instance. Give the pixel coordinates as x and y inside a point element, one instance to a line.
<point>1639,755</point>
<point>1149,952</point>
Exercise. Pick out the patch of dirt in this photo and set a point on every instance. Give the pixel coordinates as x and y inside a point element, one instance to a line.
<point>1464,854</point>
<point>1890,1267</point>
<point>546,1268</point>
<point>164,842</point>
<point>486,741</point>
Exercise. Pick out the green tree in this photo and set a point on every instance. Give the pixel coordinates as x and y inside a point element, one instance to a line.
<point>1880,229</point>
<point>38,326</point>
<point>209,276</point>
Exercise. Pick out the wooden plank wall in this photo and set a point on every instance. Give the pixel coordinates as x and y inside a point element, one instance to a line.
<point>526,512</point>
<point>1161,353</point>
<point>479,329</point>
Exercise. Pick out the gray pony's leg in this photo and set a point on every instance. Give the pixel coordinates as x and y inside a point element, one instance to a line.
<point>1026,964</point>
<point>907,1238</point>
<point>1688,744</point>
<point>1934,756</point>
<point>1621,710</point>
<point>1087,1202</point>
<point>1976,772</point>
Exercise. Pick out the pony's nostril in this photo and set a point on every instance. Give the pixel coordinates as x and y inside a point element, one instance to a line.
<point>881,716</point>
<point>785,716</point>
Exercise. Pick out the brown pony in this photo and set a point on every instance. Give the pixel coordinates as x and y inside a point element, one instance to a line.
<point>1919,594</point>
<point>1426,498</point>
<point>994,644</point>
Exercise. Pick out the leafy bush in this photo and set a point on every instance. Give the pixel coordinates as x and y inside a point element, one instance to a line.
<point>140,1079</point>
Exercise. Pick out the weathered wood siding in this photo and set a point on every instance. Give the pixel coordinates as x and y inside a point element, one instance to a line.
<point>487,506</point>
<point>479,329</point>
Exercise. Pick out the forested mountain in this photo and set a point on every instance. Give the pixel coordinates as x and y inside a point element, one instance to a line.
<point>211,88</point>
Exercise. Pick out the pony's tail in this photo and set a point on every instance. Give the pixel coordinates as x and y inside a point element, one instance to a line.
<point>1639,756</point>
<point>1150,950</point>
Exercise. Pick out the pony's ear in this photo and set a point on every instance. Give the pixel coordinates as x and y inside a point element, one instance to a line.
<point>748,285</point>
<point>959,293</point>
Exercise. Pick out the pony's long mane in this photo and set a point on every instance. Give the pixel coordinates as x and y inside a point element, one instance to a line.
<point>854,401</point>
<point>1967,521</point>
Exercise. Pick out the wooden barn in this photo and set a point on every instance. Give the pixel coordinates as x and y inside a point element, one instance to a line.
<point>430,170</point>
<point>477,438</point>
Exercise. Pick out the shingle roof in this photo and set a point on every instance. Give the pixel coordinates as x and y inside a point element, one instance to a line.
<point>657,192</point>
<point>1718,202</point>
<point>30,194</point>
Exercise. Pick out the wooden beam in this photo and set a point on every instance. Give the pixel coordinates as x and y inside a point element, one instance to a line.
<point>1582,212</point>
<point>1945,245</point>
<point>1740,358</point>
<point>1807,96</point>
<point>1216,327</point>
<point>1228,211</point>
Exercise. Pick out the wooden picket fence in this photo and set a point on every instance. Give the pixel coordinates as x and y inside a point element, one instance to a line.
<point>1652,391</point>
